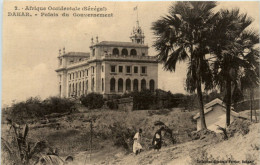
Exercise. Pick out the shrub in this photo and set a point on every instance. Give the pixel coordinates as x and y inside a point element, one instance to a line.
<point>92,100</point>
<point>34,108</point>
<point>143,99</point>
<point>112,104</point>
<point>57,105</point>
<point>122,135</point>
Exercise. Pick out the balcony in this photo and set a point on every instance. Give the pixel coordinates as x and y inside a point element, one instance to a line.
<point>123,57</point>
<point>78,63</point>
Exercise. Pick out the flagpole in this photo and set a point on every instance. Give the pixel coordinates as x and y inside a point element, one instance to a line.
<point>137,13</point>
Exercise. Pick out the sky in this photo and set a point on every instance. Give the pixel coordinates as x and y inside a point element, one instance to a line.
<point>31,44</point>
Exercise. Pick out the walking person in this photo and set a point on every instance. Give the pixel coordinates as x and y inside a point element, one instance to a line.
<point>157,139</point>
<point>137,147</point>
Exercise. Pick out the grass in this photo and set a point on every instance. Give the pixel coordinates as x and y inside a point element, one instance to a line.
<point>73,134</point>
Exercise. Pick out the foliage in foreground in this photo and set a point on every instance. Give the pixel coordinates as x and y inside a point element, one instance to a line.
<point>18,149</point>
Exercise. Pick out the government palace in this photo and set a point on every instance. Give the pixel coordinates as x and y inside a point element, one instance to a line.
<point>109,68</point>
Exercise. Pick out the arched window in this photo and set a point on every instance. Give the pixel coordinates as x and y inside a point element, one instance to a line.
<point>73,89</point>
<point>143,84</point>
<point>151,84</point>
<point>86,86</point>
<point>76,89</point>
<point>124,52</point>
<point>60,90</point>
<point>93,52</point>
<point>79,88</point>
<point>120,85</point>
<point>135,85</point>
<point>102,84</point>
<point>115,51</point>
<point>69,90</point>
<point>128,85</point>
<point>112,85</point>
<point>93,84</point>
<point>83,88</point>
<point>133,52</point>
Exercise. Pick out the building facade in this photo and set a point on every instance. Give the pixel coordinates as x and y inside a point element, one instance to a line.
<point>109,68</point>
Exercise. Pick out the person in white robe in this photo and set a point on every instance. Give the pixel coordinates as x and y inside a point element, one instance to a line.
<point>137,142</point>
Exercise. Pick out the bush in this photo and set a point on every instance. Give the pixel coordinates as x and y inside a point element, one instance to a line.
<point>143,99</point>
<point>57,105</point>
<point>238,126</point>
<point>122,135</point>
<point>112,104</point>
<point>92,100</point>
<point>34,108</point>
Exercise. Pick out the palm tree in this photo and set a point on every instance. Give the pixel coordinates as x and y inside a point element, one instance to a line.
<point>235,53</point>
<point>183,35</point>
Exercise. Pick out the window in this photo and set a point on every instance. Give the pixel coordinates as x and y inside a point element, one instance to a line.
<point>143,54</point>
<point>120,69</point>
<point>93,52</point>
<point>102,68</point>
<point>83,88</point>
<point>69,90</point>
<point>93,69</point>
<point>112,85</point>
<point>124,52</point>
<point>87,72</point>
<point>143,84</point>
<point>73,75</point>
<point>133,52</point>
<point>151,84</point>
<point>102,84</point>
<point>70,76</point>
<point>79,89</point>
<point>120,85</point>
<point>83,72</point>
<point>79,73</point>
<point>128,69</point>
<point>86,86</point>
<point>115,51</point>
<point>93,84</point>
<point>143,69</point>
<point>136,69</point>
<point>113,69</point>
<point>135,85</point>
<point>128,85</point>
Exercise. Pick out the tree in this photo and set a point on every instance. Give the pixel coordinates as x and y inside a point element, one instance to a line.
<point>183,35</point>
<point>235,54</point>
<point>250,81</point>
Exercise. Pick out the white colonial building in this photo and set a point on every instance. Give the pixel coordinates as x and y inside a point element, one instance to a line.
<point>110,68</point>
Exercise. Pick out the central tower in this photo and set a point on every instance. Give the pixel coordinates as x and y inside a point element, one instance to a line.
<point>137,36</point>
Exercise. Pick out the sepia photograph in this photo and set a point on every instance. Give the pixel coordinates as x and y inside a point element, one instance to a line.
<point>130,83</point>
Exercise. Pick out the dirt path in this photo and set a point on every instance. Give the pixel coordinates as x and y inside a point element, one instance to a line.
<point>176,154</point>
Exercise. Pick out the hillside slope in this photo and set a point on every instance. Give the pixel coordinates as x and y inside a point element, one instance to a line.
<point>239,148</point>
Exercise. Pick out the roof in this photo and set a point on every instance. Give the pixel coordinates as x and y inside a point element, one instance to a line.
<point>123,44</point>
<point>77,54</point>
<point>209,107</point>
<point>214,102</point>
